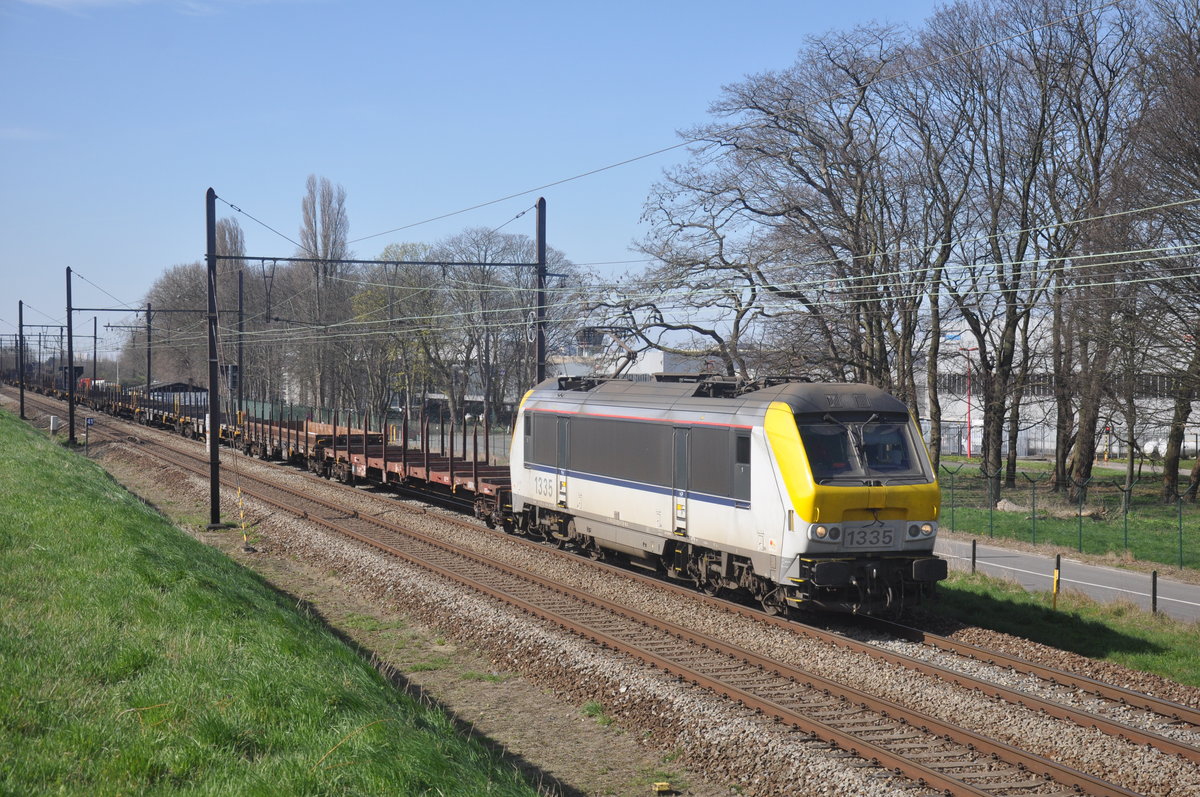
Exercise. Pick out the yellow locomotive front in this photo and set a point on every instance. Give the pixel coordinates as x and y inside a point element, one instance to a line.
<point>863,500</point>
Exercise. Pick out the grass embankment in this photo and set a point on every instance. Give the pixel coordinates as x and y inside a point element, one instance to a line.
<point>135,659</point>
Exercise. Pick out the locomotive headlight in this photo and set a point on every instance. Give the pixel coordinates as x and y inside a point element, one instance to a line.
<point>923,530</point>
<point>824,533</point>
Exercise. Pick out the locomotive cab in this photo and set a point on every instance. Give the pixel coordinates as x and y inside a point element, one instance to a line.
<point>865,502</point>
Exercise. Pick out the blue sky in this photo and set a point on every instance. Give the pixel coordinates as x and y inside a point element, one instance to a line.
<point>117,115</point>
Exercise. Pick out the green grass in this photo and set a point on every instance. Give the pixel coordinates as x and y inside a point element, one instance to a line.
<point>362,622</point>
<point>433,665</point>
<point>596,711</point>
<point>134,659</point>
<point>1116,632</point>
<point>489,677</point>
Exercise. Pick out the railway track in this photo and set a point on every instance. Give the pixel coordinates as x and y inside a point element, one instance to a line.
<point>928,750</point>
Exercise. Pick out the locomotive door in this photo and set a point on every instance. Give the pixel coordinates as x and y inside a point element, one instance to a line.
<point>679,481</point>
<point>562,461</point>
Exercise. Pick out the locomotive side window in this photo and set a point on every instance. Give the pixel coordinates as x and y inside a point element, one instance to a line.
<point>711,469</point>
<point>541,439</point>
<point>716,460</point>
<point>743,449</point>
<point>631,450</point>
<point>741,468</point>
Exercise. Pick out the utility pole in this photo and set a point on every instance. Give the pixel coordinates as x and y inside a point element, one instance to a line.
<point>148,350</point>
<point>241,340</point>
<point>70,365</point>
<point>214,395</point>
<point>95,345</point>
<point>541,289</point>
<point>21,354</point>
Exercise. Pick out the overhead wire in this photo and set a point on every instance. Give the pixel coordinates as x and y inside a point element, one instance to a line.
<point>429,323</point>
<point>827,282</point>
<point>895,253</point>
<point>359,326</point>
<point>1096,261</point>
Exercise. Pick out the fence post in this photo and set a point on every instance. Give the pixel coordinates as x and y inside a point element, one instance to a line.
<point>972,557</point>
<point>1081,486</point>
<point>993,498</point>
<point>1154,592</point>
<point>1179,509</point>
<point>952,474</point>
<point>1126,500</point>
<point>1033,510</point>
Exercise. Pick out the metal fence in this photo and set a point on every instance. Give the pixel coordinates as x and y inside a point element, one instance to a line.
<point>1110,519</point>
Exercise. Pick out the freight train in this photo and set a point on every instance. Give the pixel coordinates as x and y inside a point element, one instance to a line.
<point>797,494</point>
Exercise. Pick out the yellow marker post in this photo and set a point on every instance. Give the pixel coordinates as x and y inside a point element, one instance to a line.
<point>242,518</point>
<point>1057,573</point>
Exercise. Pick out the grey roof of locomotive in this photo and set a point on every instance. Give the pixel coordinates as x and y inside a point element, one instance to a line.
<point>661,400</point>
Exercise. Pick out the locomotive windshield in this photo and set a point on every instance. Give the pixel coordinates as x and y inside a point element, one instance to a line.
<point>853,447</point>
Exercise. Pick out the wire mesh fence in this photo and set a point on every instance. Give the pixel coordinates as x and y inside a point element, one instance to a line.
<point>1110,519</point>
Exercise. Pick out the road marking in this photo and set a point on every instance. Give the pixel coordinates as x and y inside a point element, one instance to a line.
<point>1146,595</point>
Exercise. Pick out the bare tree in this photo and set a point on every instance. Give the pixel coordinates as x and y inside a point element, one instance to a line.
<point>704,296</point>
<point>324,230</point>
<point>179,342</point>
<point>803,185</point>
<point>1094,57</point>
<point>179,300</point>
<point>935,107</point>
<point>487,291</point>
<point>1168,148</point>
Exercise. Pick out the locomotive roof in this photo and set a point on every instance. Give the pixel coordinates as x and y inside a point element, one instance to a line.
<point>599,395</point>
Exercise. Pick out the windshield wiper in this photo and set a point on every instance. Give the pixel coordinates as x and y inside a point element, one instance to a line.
<point>855,433</point>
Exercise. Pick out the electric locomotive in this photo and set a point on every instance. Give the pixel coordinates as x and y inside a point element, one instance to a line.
<point>803,495</point>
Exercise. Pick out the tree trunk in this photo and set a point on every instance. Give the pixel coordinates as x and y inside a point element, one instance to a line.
<point>1089,419</point>
<point>931,378</point>
<point>1064,426</point>
<point>1184,389</point>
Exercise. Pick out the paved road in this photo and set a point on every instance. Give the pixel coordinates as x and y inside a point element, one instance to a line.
<point>1036,573</point>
